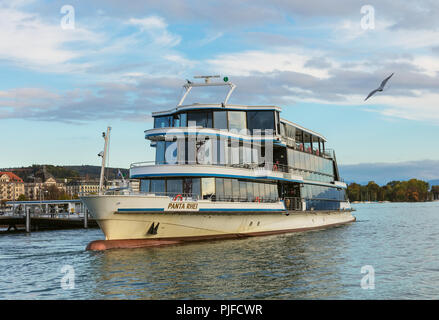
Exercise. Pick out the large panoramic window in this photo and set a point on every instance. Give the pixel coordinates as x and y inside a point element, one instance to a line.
<point>163,122</point>
<point>260,120</point>
<point>228,189</point>
<point>158,186</point>
<point>220,119</point>
<point>219,188</point>
<point>200,119</point>
<point>237,120</point>
<point>144,185</point>
<point>192,186</point>
<point>208,187</point>
<point>174,186</point>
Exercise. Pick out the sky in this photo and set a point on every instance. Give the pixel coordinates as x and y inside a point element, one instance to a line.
<point>69,72</point>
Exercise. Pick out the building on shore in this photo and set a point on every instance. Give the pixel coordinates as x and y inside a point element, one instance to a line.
<point>11,186</point>
<point>74,188</point>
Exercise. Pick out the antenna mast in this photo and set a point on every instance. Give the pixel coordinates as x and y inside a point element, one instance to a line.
<point>189,85</point>
<point>103,154</point>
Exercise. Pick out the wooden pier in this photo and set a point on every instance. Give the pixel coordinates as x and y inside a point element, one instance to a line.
<point>36,223</point>
<point>46,215</point>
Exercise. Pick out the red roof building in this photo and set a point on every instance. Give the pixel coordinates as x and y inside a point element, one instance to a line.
<point>12,176</point>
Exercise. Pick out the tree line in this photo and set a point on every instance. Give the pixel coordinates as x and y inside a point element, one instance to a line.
<point>412,190</point>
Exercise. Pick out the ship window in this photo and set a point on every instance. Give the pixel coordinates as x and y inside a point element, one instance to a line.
<point>163,122</point>
<point>144,185</point>
<point>220,119</point>
<point>158,186</point>
<point>250,196</point>
<point>262,191</point>
<point>268,191</point>
<point>160,152</point>
<point>228,189</point>
<point>191,186</point>
<point>208,187</point>
<point>260,120</point>
<point>256,190</point>
<point>183,120</point>
<point>174,186</point>
<point>179,120</point>
<point>235,189</point>
<point>242,190</point>
<point>200,119</point>
<point>237,120</point>
<point>219,188</point>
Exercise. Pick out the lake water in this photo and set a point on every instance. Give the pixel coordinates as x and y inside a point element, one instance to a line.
<point>399,240</point>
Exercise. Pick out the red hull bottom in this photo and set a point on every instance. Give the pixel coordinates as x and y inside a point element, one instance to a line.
<point>99,245</point>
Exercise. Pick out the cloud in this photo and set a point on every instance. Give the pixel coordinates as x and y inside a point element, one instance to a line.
<point>129,100</point>
<point>156,27</point>
<point>28,41</point>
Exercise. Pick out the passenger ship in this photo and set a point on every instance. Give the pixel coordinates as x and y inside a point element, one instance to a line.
<point>223,171</point>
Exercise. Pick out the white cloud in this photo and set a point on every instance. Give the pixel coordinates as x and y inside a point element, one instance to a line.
<point>156,27</point>
<point>247,62</point>
<point>28,41</point>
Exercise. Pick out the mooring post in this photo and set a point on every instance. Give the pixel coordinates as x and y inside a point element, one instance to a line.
<point>85,219</point>
<point>28,220</point>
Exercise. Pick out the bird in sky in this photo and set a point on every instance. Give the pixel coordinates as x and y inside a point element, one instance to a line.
<point>381,87</point>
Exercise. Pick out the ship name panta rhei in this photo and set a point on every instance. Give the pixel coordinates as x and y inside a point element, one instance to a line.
<point>223,171</point>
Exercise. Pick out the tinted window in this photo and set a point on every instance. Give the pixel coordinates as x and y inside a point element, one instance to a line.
<point>260,120</point>
<point>228,189</point>
<point>235,189</point>
<point>219,188</point>
<point>162,122</point>
<point>160,152</point>
<point>242,190</point>
<point>174,186</point>
<point>201,119</point>
<point>144,185</point>
<point>158,186</point>
<point>220,119</point>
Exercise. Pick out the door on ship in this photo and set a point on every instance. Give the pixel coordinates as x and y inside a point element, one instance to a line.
<point>290,193</point>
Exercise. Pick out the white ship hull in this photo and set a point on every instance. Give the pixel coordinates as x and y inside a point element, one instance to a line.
<point>144,220</point>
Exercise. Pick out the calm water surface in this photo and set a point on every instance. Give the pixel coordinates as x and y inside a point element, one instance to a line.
<point>400,241</point>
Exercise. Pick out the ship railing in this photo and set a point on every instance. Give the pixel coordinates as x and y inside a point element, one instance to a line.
<point>175,196</point>
<point>293,203</point>
<point>252,166</point>
<point>244,199</point>
<point>323,204</point>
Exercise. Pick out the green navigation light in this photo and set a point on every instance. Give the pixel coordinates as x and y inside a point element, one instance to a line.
<point>226,79</point>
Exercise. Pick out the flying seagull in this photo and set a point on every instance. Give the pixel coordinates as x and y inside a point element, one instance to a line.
<point>380,88</point>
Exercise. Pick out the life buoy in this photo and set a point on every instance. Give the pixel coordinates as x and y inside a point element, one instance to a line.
<point>178,196</point>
